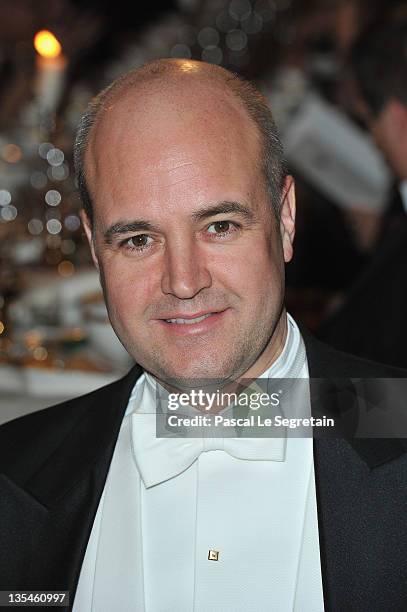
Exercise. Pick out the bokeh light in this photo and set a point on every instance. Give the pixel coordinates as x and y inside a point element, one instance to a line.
<point>55,157</point>
<point>5,197</point>
<point>54,226</point>
<point>72,223</point>
<point>212,54</point>
<point>46,44</point>
<point>59,173</point>
<point>44,148</point>
<point>11,153</point>
<point>40,353</point>
<point>53,197</point>
<point>66,268</point>
<point>208,37</point>
<point>236,40</point>
<point>8,213</point>
<point>35,226</point>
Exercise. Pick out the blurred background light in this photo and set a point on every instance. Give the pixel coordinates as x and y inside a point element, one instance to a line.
<point>8,213</point>
<point>44,148</point>
<point>59,173</point>
<point>46,44</point>
<point>54,226</point>
<point>208,37</point>
<point>236,40</point>
<point>72,222</point>
<point>5,197</point>
<point>66,268</point>
<point>11,153</point>
<point>212,54</point>
<point>53,197</point>
<point>55,157</point>
<point>35,226</point>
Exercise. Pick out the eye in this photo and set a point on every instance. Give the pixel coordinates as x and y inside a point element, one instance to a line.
<point>137,243</point>
<point>221,227</point>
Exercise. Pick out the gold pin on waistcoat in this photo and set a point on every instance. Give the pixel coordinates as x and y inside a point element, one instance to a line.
<point>213,555</point>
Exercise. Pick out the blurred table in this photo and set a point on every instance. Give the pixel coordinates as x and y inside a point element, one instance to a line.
<point>25,390</point>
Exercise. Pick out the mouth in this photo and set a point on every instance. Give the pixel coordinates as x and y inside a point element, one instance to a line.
<point>189,320</point>
<point>197,323</point>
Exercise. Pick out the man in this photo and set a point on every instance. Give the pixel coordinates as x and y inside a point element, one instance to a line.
<point>379,67</point>
<point>190,218</point>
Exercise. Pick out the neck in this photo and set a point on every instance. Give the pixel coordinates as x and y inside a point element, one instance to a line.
<point>272,351</point>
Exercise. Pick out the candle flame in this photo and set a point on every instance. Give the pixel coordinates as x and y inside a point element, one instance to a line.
<point>46,44</point>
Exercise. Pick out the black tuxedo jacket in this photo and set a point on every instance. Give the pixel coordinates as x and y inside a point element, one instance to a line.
<point>377,300</point>
<point>54,463</point>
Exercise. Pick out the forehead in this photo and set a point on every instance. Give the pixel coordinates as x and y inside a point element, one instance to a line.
<point>183,143</point>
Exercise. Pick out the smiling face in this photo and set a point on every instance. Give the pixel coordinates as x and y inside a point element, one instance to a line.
<point>190,255</point>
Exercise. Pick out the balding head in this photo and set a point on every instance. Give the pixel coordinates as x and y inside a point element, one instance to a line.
<point>187,88</point>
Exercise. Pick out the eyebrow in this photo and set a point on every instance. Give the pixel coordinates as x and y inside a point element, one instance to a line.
<point>224,208</point>
<point>141,225</point>
<point>126,227</point>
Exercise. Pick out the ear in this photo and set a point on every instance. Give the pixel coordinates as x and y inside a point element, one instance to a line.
<point>89,235</point>
<point>287,218</point>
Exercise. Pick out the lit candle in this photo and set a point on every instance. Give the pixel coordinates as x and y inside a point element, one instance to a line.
<point>51,68</point>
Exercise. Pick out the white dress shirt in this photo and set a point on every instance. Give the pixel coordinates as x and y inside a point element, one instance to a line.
<point>149,545</point>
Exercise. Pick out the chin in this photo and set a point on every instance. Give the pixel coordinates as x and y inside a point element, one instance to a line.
<point>196,374</point>
<point>194,378</point>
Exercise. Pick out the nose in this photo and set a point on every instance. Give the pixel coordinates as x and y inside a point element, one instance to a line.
<point>185,271</point>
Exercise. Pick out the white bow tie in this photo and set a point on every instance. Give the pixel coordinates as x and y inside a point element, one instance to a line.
<point>159,459</point>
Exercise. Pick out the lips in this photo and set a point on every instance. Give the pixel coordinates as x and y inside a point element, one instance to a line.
<point>181,323</point>
<point>189,321</point>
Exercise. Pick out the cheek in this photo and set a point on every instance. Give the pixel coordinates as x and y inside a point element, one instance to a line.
<point>252,274</point>
<point>128,293</point>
